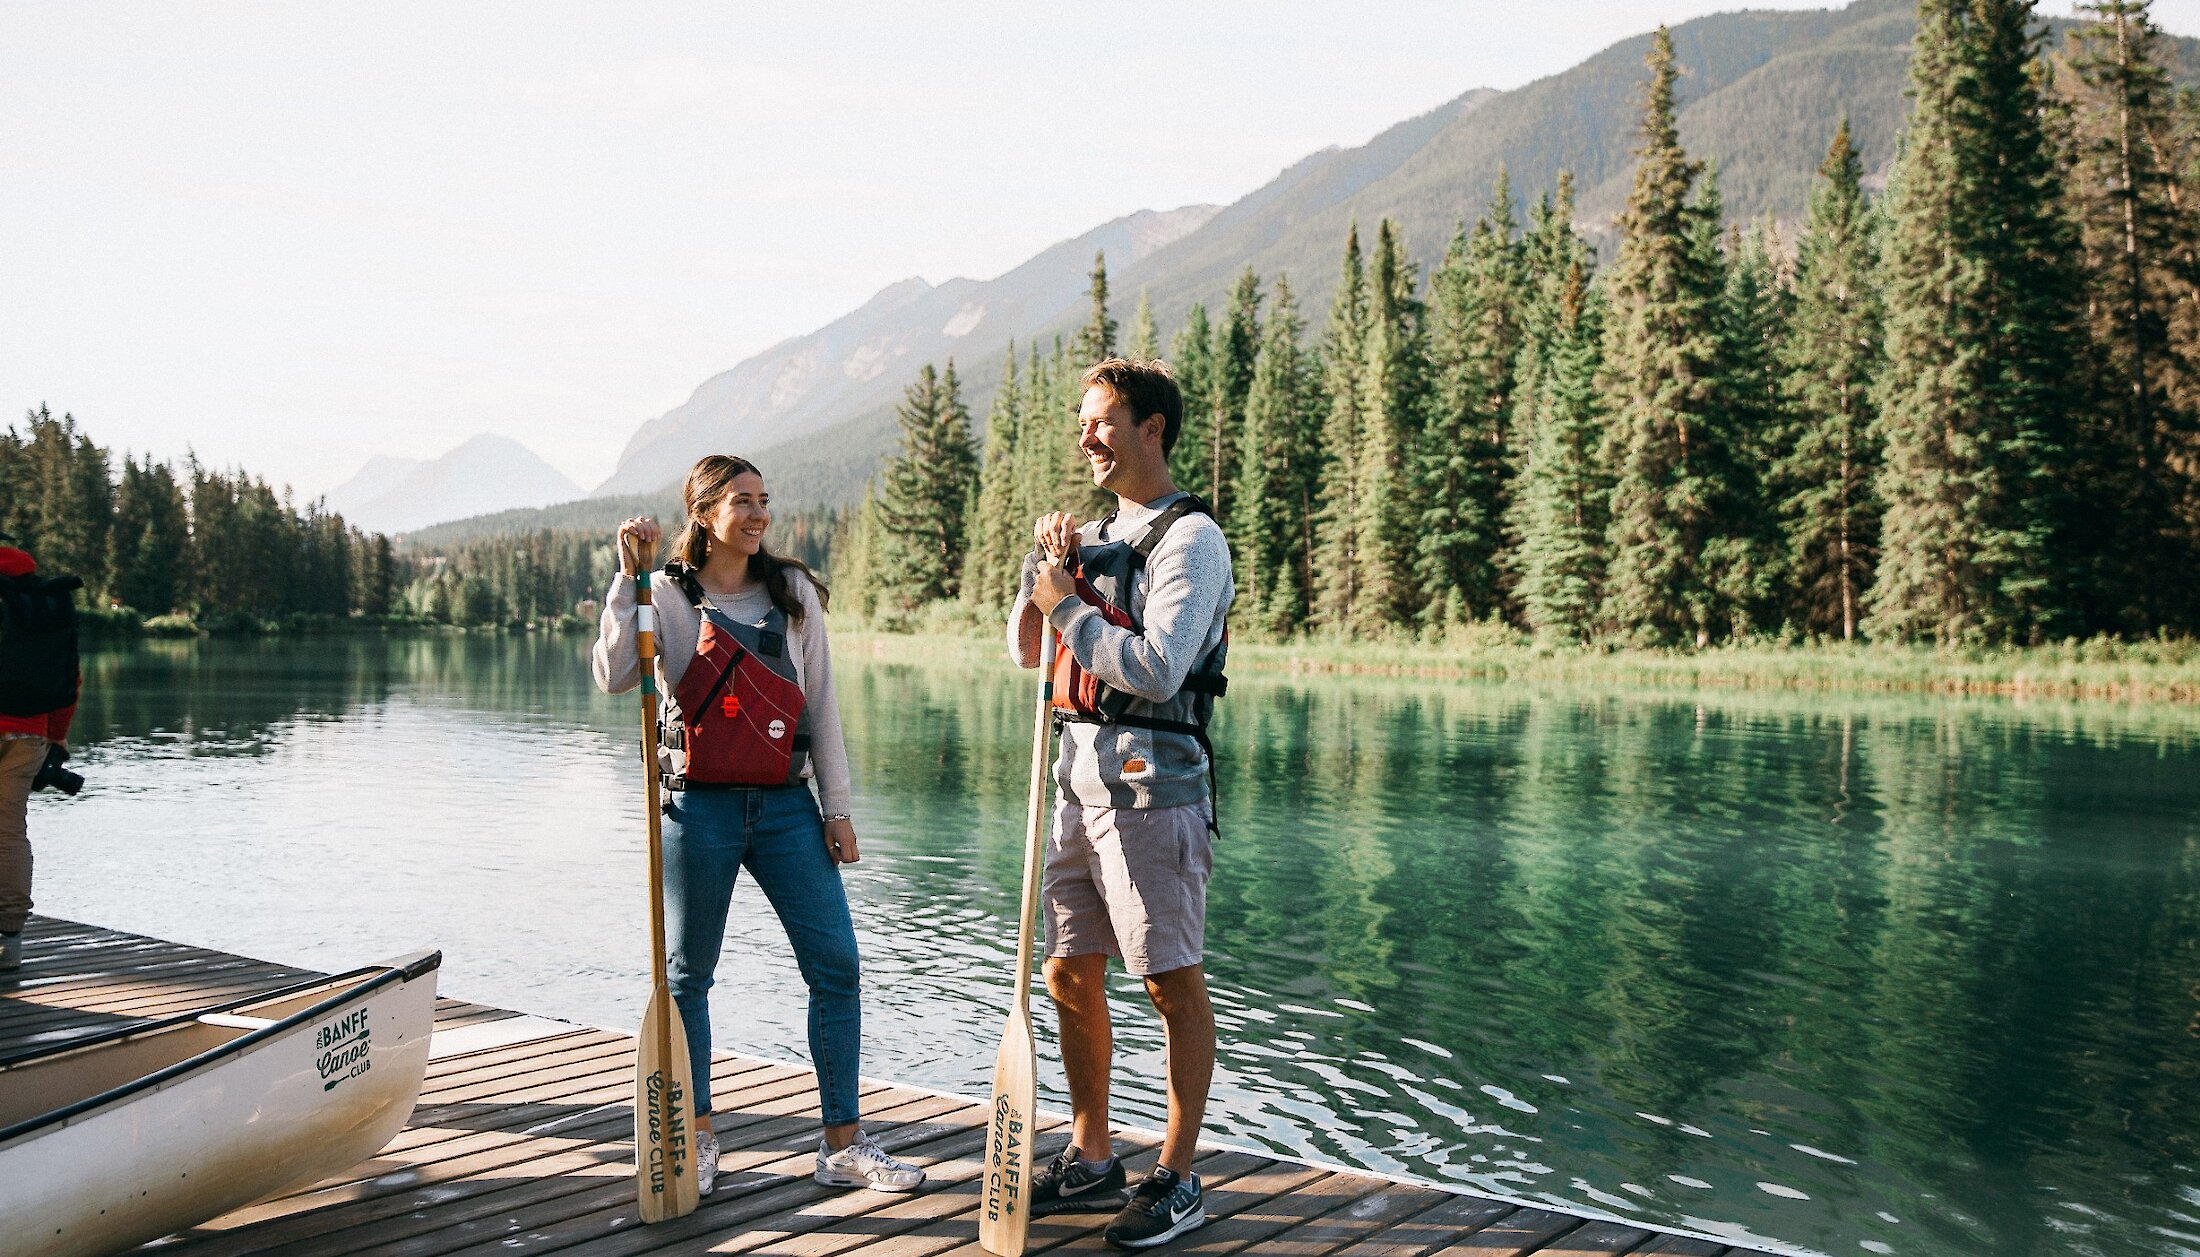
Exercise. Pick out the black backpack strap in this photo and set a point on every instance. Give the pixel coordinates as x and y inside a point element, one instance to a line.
<point>1189,504</point>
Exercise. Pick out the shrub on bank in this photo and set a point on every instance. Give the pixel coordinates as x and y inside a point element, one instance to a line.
<point>109,621</point>
<point>2157,669</point>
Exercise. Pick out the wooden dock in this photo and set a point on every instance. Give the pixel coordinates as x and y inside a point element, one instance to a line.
<point>523,1143</point>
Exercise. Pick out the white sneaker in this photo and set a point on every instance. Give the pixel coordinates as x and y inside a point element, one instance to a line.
<point>865,1164</point>
<point>11,952</point>
<point>706,1162</point>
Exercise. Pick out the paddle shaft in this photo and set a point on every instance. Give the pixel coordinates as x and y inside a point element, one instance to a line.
<point>1035,819</point>
<point>666,1186</point>
<point>645,615</point>
<point>1004,1219</point>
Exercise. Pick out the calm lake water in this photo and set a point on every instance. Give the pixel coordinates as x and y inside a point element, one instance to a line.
<point>1839,974</point>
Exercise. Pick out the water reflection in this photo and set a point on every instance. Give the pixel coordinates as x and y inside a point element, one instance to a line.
<point>1912,976</point>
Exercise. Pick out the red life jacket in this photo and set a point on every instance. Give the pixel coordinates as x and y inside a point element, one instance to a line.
<point>738,716</point>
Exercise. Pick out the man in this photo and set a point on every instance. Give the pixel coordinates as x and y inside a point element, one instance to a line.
<point>1141,622</point>
<point>38,686</point>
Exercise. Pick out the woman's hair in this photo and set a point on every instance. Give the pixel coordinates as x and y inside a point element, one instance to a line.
<point>708,482</point>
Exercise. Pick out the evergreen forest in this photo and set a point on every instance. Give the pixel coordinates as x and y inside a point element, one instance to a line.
<point>199,548</point>
<point>1955,405</point>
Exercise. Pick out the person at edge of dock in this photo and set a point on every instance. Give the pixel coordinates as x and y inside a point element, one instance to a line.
<point>749,626</point>
<point>39,683</point>
<point>1140,599</point>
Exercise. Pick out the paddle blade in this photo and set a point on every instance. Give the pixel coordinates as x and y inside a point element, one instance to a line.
<point>664,1137</point>
<point>1003,1218</point>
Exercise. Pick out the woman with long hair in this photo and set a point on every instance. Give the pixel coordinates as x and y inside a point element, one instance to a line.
<point>757,723</point>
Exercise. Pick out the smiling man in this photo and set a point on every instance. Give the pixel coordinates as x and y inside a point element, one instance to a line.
<point>1139,598</point>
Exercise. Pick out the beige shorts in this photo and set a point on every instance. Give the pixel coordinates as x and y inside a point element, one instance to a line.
<point>1129,882</point>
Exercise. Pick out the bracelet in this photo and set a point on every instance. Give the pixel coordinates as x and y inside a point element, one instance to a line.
<point>830,817</point>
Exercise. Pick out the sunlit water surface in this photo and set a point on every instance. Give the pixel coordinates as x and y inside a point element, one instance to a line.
<point>1843,974</point>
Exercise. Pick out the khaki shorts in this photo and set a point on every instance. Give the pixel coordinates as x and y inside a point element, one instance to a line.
<point>1129,882</point>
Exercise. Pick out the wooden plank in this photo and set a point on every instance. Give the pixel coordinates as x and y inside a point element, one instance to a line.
<point>1685,1246</point>
<point>1445,1223</point>
<point>1598,1239</point>
<point>1523,1231</point>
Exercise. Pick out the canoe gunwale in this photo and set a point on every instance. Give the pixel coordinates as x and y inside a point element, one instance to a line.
<point>375,977</point>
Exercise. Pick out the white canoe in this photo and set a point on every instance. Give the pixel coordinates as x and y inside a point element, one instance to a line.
<point>112,1140</point>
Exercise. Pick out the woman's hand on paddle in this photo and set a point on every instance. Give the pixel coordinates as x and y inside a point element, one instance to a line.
<point>637,543</point>
<point>840,841</point>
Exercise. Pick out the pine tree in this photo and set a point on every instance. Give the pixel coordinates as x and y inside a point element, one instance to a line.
<point>858,581</point>
<point>1551,471</point>
<point>1394,404</point>
<point>1191,462</point>
<point>151,539</point>
<point>377,594</point>
<point>2124,197</point>
<point>1145,341</point>
<point>1096,340</point>
<point>1744,552</point>
<point>925,493</point>
<point>1336,597</point>
<point>1662,359</point>
<point>1976,402</point>
<point>1462,466</point>
<point>1237,344</point>
<point>1271,526</point>
<point>1829,356</point>
<point>998,534</point>
<point>1563,494</point>
<point>64,520</point>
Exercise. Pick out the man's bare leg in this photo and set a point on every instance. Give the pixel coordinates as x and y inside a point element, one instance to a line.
<point>1079,987</point>
<point>1180,996</point>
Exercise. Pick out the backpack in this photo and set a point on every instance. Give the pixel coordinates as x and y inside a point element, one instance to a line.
<point>38,670</point>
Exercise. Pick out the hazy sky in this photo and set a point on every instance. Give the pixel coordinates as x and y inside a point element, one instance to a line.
<point>291,236</point>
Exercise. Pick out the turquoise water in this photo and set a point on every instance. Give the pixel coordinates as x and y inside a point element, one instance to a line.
<point>1834,974</point>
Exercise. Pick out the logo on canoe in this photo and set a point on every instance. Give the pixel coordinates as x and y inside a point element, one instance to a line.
<point>344,1048</point>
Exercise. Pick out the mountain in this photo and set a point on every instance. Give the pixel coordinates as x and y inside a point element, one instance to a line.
<point>487,473</point>
<point>1760,96</point>
<point>862,359</point>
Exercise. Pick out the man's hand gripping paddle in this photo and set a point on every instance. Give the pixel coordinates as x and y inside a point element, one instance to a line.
<point>1004,1218</point>
<point>664,1134</point>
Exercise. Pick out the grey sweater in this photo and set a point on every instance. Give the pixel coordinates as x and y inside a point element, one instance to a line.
<point>616,661</point>
<point>1181,597</point>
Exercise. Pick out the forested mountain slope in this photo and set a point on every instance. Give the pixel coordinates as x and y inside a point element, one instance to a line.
<point>1760,96</point>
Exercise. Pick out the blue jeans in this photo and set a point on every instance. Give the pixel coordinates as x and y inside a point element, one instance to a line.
<point>779,836</point>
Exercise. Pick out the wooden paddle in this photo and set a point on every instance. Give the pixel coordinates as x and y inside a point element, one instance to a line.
<point>1004,1221</point>
<point>664,1085</point>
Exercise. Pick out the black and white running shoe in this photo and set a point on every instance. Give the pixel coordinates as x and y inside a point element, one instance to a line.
<point>1163,1207</point>
<point>1064,1185</point>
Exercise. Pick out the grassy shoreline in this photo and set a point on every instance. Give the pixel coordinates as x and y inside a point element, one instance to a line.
<point>2132,672</point>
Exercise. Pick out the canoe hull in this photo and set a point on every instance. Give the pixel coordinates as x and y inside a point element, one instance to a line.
<point>329,1078</point>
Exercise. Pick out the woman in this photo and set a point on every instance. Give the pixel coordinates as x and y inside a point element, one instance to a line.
<point>720,590</point>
